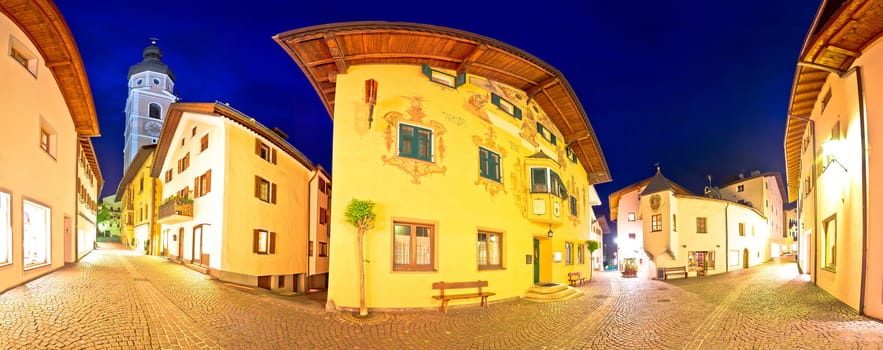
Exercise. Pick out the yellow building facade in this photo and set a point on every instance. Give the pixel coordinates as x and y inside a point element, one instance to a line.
<point>475,176</point>
<point>236,197</point>
<point>139,195</point>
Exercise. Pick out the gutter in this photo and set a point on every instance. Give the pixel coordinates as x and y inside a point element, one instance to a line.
<point>862,111</point>
<point>727,237</point>
<point>815,206</point>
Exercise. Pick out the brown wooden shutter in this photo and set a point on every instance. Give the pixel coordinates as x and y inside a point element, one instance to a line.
<point>197,192</point>
<point>257,186</point>
<point>255,238</point>
<point>273,156</point>
<point>257,147</point>
<point>208,181</point>
<point>272,240</point>
<point>273,193</point>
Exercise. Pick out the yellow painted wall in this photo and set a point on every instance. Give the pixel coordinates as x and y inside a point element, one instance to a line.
<point>244,213</point>
<point>448,193</point>
<point>143,197</point>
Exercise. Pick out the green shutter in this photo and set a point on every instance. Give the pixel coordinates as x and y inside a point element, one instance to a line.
<point>482,161</point>
<point>495,166</point>
<point>495,99</point>
<point>539,128</point>
<point>517,112</point>
<point>427,71</point>
<point>553,140</point>
<point>460,80</point>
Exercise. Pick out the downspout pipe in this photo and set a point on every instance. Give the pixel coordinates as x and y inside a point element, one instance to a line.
<point>862,115</point>
<point>727,236</point>
<point>815,199</point>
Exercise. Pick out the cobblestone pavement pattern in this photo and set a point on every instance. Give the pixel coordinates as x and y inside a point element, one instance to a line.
<point>115,299</point>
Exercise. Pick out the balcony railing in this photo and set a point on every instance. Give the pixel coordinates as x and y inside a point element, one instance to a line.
<point>176,210</point>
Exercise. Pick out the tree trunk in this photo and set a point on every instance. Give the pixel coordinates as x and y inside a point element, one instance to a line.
<point>363,309</point>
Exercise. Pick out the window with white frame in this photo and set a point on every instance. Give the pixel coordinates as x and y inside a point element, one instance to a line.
<point>24,56</point>
<point>36,221</point>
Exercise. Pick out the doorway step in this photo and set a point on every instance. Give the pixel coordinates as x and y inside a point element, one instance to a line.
<point>551,292</point>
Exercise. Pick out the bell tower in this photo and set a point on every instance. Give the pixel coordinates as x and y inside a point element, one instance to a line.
<point>151,91</point>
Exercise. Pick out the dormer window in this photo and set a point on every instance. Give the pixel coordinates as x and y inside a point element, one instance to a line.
<point>547,134</point>
<point>155,81</point>
<point>443,78</point>
<point>139,82</point>
<point>506,106</point>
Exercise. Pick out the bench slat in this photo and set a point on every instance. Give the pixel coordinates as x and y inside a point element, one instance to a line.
<point>463,296</point>
<point>455,285</point>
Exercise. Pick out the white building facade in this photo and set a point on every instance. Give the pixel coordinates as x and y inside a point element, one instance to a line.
<point>661,224</point>
<point>47,115</point>
<point>833,171</point>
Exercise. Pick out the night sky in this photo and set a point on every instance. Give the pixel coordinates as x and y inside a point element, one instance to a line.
<point>701,87</point>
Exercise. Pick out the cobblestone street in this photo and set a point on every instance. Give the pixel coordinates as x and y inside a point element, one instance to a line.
<point>117,299</point>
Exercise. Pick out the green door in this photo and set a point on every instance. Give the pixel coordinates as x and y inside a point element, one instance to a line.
<point>536,261</point>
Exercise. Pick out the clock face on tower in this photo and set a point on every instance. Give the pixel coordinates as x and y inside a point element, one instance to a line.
<point>152,128</point>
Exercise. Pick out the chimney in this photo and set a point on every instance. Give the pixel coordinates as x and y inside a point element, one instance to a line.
<point>755,172</point>
<point>279,132</point>
<point>741,175</point>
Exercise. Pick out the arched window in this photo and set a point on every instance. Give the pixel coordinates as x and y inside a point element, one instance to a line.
<point>155,111</point>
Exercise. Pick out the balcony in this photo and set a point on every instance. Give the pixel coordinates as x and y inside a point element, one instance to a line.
<point>175,210</point>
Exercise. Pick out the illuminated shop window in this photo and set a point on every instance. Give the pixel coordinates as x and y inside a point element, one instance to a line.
<point>37,234</point>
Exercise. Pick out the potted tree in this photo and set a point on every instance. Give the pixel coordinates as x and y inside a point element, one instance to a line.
<point>360,214</point>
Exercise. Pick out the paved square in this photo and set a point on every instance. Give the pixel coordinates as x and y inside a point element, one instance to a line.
<point>116,299</point>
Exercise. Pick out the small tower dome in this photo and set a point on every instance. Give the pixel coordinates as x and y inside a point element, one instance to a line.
<point>152,61</point>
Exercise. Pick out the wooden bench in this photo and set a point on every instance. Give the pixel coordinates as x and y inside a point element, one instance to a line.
<point>575,278</point>
<point>677,270</point>
<point>460,285</point>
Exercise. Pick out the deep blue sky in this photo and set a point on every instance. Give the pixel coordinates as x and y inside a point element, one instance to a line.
<point>700,86</point>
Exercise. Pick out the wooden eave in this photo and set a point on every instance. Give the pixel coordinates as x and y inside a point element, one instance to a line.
<point>137,162</point>
<point>833,45</point>
<point>44,25</point>
<point>324,51</point>
<point>217,109</point>
<point>613,198</point>
<point>91,159</point>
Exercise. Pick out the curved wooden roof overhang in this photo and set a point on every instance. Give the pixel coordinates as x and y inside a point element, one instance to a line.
<point>841,31</point>
<point>324,51</point>
<point>46,28</point>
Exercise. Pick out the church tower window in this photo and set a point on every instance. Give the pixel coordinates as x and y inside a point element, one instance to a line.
<point>154,111</point>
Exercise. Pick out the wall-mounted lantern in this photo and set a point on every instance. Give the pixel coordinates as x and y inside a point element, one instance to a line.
<point>832,152</point>
<point>550,233</point>
<point>370,98</point>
